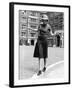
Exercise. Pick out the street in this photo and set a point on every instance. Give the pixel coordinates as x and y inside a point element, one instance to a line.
<point>28,65</point>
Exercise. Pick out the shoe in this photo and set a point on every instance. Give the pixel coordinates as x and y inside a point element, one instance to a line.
<point>39,72</point>
<point>44,69</point>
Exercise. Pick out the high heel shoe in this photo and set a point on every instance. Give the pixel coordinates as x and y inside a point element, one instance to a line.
<point>39,72</point>
<point>44,69</point>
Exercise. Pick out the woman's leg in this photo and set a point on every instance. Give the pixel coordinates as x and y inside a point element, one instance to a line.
<point>44,62</point>
<point>39,72</point>
<point>45,52</point>
<point>39,63</point>
<point>44,69</point>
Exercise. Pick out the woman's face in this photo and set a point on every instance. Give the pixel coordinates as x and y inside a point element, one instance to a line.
<point>44,21</point>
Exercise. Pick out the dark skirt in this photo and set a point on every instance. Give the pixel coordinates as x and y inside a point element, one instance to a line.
<point>41,49</point>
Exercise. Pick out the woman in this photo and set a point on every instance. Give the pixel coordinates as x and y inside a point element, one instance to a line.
<point>42,44</point>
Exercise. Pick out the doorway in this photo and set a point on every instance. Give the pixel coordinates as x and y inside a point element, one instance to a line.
<point>32,42</point>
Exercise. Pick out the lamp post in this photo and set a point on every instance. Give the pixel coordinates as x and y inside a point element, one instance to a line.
<point>27,28</point>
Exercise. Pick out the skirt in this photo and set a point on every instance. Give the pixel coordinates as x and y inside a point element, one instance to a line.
<point>41,49</point>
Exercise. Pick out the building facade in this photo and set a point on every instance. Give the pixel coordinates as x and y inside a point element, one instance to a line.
<point>56,20</point>
<point>29,21</point>
<point>28,26</point>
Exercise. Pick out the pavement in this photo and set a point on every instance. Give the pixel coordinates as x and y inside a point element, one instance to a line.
<point>53,71</point>
<point>28,65</point>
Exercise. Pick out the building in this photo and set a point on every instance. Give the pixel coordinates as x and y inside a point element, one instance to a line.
<point>28,26</point>
<point>56,20</point>
<point>29,21</point>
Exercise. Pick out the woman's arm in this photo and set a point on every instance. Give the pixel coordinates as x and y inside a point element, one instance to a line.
<point>50,30</point>
<point>52,33</point>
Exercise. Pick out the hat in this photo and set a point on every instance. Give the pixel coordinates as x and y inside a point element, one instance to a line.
<point>44,17</point>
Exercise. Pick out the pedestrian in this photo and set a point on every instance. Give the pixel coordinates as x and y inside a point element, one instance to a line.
<point>58,40</point>
<point>41,47</point>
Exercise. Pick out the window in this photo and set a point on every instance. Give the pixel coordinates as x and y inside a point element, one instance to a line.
<point>23,26</point>
<point>33,13</point>
<point>32,34</point>
<point>23,33</point>
<point>33,20</point>
<point>32,26</point>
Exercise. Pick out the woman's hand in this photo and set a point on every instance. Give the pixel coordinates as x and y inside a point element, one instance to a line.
<point>52,33</point>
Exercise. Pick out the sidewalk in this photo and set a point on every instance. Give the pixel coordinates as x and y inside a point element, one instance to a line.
<point>53,71</point>
<point>29,65</point>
